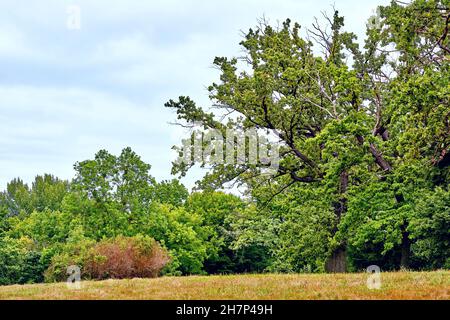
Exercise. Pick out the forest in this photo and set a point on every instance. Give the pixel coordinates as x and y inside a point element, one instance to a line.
<point>363,131</point>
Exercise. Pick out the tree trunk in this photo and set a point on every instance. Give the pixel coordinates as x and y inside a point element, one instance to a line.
<point>444,159</point>
<point>405,247</point>
<point>405,250</point>
<point>337,262</point>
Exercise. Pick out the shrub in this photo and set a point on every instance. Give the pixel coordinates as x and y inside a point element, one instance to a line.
<point>122,257</point>
<point>19,262</point>
<point>74,251</point>
<point>63,256</point>
<point>174,228</point>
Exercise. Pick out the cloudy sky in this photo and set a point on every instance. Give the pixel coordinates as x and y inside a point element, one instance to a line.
<point>66,92</point>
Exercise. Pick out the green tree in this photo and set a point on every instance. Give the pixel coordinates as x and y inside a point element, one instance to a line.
<point>111,192</point>
<point>15,199</point>
<point>219,212</point>
<point>339,127</point>
<point>171,192</point>
<point>116,196</point>
<point>47,193</point>
<point>19,262</point>
<point>178,231</point>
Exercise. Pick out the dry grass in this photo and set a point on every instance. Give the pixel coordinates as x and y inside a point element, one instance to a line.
<point>396,285</point>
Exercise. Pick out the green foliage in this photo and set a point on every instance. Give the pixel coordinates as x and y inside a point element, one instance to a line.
<point>19,262</point>
<point>123,181</point>
<point>430,228</point>
<point>175,229</point>
<point>43,228</point>
<point>295,230</point>
<point>74,252</point>
<point>46,192</point>
<point>171,192</point>
<point>219,211</point>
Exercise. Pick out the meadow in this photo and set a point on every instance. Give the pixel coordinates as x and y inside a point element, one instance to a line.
<point>394,285</point>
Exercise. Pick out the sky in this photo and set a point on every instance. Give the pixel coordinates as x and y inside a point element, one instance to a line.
<point>80,76</point>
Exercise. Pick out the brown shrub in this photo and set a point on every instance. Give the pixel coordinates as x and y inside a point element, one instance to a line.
<point>122,257</point>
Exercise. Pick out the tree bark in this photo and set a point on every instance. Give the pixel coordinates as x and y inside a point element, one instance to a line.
<point>444,159</point>
<point>379,158</point>
<point>405,250</point>
<point>337,262</point>
<point>377,155</point>
<point>405,246</point>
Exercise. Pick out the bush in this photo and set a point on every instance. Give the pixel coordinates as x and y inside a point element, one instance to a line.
<point>19,262</point>
<point>119,258</point>
<point>122,257</point>
<point>74,252</point>
<point>175,228</point>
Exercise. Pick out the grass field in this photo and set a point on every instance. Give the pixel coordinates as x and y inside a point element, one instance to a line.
<point>397,285</point>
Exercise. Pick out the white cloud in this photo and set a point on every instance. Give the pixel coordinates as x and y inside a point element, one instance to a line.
<point>12,42</point>
<point>72,124</point>
<point>128,48</point>
<point>65,94</point>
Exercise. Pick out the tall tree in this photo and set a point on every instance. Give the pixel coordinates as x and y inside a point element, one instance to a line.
<point>111,192</point>
<point>338,126</point>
